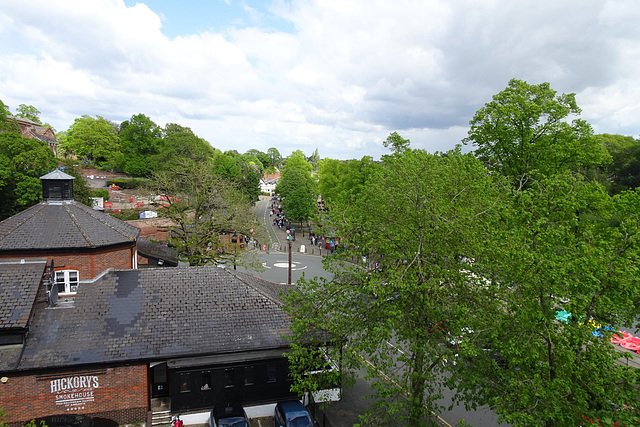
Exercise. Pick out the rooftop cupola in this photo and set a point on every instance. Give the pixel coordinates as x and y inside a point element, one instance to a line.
<point>57,186</point>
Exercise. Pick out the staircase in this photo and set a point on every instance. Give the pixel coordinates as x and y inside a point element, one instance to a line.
<point>160,413</point>
<point>161,418</point>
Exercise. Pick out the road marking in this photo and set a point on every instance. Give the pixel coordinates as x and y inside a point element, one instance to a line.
<point>395,346</point>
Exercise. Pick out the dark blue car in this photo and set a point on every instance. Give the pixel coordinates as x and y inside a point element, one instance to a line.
<point>228,416</point>
<point>292,414</point>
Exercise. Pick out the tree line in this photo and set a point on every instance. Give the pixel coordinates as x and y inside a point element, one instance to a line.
<point>500,274</point>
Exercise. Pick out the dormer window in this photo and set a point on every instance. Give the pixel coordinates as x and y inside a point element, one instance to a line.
<point>67,281</point>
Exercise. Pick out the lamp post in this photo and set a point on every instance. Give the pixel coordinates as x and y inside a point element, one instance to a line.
<point>234,240</point>
<point>289,241</point>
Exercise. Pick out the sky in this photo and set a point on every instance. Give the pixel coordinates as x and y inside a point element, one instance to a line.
<point>336,75</point>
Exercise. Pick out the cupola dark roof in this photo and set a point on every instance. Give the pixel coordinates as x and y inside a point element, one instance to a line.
<point>63,225</point>
<point>57,186</point>
<point>60,223</point>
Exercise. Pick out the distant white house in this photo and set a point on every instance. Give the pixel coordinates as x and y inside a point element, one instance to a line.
<point>268,185</point>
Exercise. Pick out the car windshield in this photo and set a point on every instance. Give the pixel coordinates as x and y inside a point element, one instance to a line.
<point>233,422</point>
<point>299,421</point>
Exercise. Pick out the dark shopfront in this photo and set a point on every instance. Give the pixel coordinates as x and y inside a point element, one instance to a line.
<point>198,383</point>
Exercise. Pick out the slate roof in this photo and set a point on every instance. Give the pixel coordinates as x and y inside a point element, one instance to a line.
<point>43,138</point>
<point>148,248</point>
<point>63,225</point>
<point>57,174</point>
<point>19,284</point>
<point>155,314</point>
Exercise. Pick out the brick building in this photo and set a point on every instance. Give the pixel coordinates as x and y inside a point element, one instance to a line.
<point>35,130</point>
<point>84,332</point>
<point>191,335</point>
<point>80,241</point>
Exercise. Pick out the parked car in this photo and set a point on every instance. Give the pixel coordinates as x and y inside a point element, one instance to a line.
<point>292,414</point>
<point>228,416</point>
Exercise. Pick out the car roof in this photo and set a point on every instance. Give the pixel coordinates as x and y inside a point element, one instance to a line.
<point>291,406</point>
<point>227,411</point>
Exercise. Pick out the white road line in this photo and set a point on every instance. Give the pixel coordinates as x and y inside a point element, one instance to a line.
<point>395,346</point>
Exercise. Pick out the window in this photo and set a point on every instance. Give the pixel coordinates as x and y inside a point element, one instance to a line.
<point>249,377</point>
<point>67,281</point>
<point>229,378</point>
<point>271,373</point>
<point>206,380</point>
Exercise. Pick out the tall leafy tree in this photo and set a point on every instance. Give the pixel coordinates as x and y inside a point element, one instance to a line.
<point>181,143</point>
<point>413,216</point>
<point>28,112</point>
<point>275,157</point>
<point>204,208</point>
<point>560,263</point>
<point>264,158</point>
<point>623,173</point>
<point>525,133</point>
<point>563,263</point>
<point>297,187</point>
<point>92,140</point>
<point>314,159</point>
<point>340,182</point>
<point>140,139</point>
<point>22,162</point>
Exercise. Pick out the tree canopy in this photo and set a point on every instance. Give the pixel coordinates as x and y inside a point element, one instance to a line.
<point>92,140</point>
<point>413,216</point>
<point>140,138</point>
<point>525,133</point>
<point>297,187</point>
<point>204,207</point>
<point>22,162</point>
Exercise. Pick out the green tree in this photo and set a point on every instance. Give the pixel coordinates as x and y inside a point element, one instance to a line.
<point>140,139</point>
<point>300,200</point>
<point>225,165</point>
<point>525,133</point>
<point>414,216</point>
<point>315,159</point>
<point>22,162</point>
<point>28,112</point>
<point>564,247</point>
<point>340,182</point>
<point>330,173</point>
<point>203,207</point>
<point>623,172</point>
<point>181,143</point>
<point>92,140</point>
<point>275,157</point>
<point>264,158</point>
<point>396,143</point>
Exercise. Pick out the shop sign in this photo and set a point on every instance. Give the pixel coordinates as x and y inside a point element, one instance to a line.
<point>74,392</point>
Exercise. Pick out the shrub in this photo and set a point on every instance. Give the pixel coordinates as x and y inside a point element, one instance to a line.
<point>100,192</point>
<point>129,183</point>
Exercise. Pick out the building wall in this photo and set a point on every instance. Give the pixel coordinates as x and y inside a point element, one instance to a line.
<point>89,264</point>
<point>117,393</point>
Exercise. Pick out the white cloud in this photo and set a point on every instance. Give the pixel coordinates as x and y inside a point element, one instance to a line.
<point>347,75</point>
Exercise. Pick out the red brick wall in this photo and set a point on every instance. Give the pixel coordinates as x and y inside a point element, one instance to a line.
<point>118,393</point>
<point>89,264</point>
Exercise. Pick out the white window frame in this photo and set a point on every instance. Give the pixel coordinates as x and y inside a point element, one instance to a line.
<point>70,279</point>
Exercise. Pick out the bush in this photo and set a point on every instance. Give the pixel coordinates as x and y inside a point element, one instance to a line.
<point>126,214</point>
<point>129,183</point>
<point>100,192</point>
